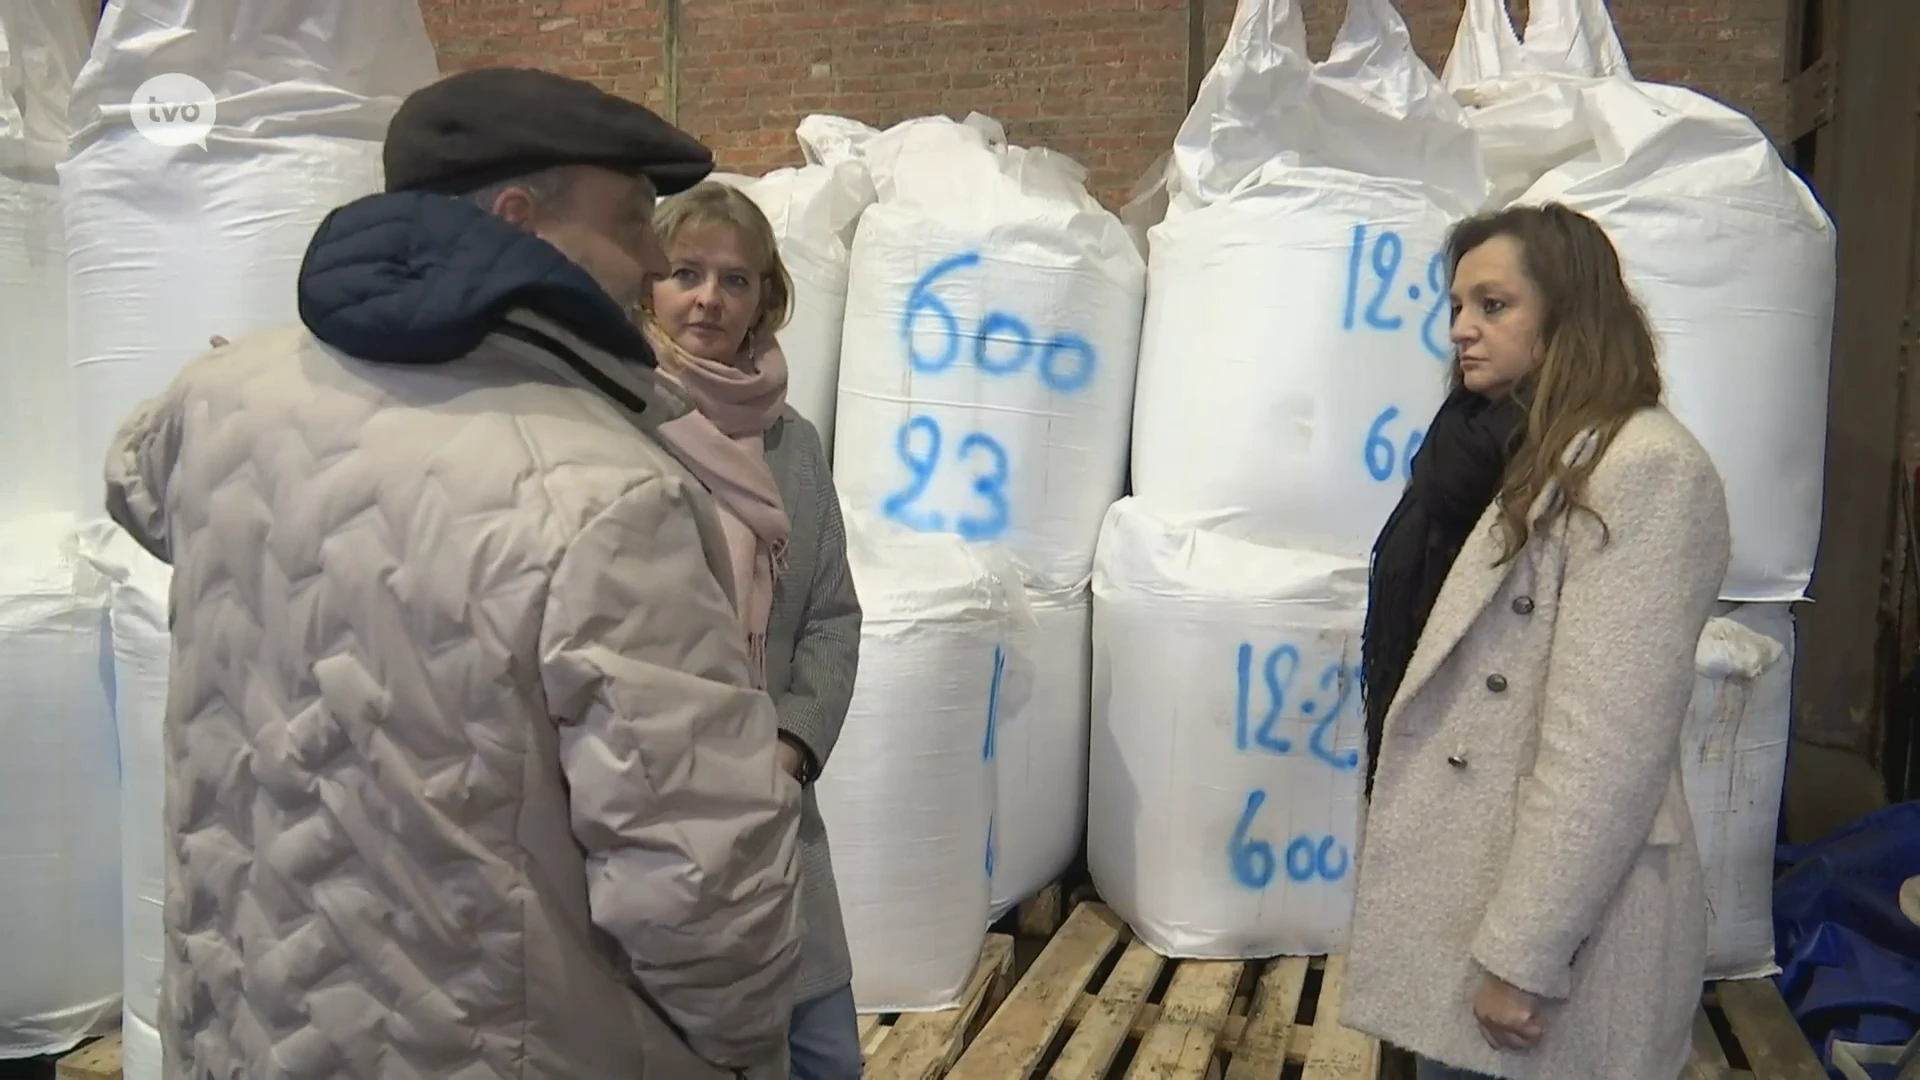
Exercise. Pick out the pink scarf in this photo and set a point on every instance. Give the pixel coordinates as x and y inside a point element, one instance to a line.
<point>724,444</point>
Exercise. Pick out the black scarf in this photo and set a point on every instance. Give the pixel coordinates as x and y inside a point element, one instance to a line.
<point>1456,475</point>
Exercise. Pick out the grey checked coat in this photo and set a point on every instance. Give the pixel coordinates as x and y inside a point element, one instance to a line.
<point>813,650</point>
<point>1528,818</point>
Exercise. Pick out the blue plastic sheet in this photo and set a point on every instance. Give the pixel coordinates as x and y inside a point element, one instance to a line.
<point>1849,958</point>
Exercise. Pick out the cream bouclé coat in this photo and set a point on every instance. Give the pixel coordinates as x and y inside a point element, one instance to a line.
<point>1528,818</point>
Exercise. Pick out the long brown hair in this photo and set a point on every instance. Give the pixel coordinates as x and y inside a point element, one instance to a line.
<point>1598,363</point>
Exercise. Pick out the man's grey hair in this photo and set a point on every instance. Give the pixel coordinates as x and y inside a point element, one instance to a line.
<point>548,188</point>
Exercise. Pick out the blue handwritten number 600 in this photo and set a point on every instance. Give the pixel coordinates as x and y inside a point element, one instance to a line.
<point>1066,360</point>
<point>1382,455</point>
<point>921,463</point>
<point>1254,863</point>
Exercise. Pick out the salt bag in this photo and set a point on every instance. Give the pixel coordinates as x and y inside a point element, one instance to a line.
<point>141,646</point>
<point>173,242</point>
<point>1734,761</point>
<point>1040,749</point>
<point>908,795</point>
<point>59,806</point>
<point>1224,801</point>
<point>987,365</point>
<point>1296,332</point>
<point>42,45</point>
<point>1732,257</point>
<point>813,210</point>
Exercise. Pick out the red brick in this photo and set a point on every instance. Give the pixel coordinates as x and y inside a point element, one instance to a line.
<point>1103,81</point>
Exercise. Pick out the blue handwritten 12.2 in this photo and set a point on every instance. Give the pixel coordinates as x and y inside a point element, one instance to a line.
<point>1307,858</point>
<point>1373,272</point>
<point>1278,671</point>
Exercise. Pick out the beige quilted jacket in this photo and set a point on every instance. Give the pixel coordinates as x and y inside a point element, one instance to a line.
<point>466,776</point>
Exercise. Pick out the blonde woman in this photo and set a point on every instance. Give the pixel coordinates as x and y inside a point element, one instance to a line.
<point>712,320</point>
<point>1530,902</point>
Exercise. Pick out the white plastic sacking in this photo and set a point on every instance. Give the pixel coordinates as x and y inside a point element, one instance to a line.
<point>59,795</point>
<point>1296,332</point>
<point>992,330</point>
<point>813,210</point>
<point>1523,97</point>
<point>1223,806</point>
<point>1729,252</point>
<point>42,45</point>
<point>142,648</point>
<point>1735,766</point>
<point>170,244</point>
<point>908,795</point>
<point>1040,749</point>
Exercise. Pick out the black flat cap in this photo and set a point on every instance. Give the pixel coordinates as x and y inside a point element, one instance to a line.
<point>491,124</point>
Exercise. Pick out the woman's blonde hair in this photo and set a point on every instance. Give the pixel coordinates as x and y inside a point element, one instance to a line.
<point>711,203</point>
<point>1598,362</point>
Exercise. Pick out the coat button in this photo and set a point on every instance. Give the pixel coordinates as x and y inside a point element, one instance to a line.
<point>1497,683</point>
<point>1458,761</point>
<point>1523,605</point>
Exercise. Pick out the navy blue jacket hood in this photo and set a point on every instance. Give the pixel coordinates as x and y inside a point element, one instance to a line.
<point>415,278</point>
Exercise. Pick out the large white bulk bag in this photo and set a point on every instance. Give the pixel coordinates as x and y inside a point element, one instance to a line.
<point>172,244</point>
<point>1040,749</point>
<point>1733,259</point>
<point>42,45</point>
<point>59,795</point>
<point>1223,806</point>
<point>1296,336</point>
<point>813,210</point>
<point>1729,252</point>
<point>992,328</point>
<point>141,650</point>
<point>908,797</point>
<point>1735,763</point>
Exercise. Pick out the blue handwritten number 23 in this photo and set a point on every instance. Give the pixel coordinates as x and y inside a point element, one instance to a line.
<point>918,446</point>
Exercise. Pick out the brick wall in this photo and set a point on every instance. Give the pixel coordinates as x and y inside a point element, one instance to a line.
<point>1101,80</point>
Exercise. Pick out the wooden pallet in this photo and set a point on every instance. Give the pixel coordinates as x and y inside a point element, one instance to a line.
<point>923,1046</point>
<point>1092,1007</point>
<point>97,1060</point>
<point>1744,1031</point>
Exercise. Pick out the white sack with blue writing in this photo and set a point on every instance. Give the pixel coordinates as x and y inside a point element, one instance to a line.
<point>1296,331</point>
<point>1040,748</point>
<point>1223,806</point>
<point>1735,764</point>
<point>992,330</point>
<point>907,796</point>
<point>179,230</point>
<point>813,210</point>
<point>59,811</point>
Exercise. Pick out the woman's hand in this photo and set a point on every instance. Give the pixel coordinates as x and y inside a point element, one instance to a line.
<point>1509,1017</point>
<point>791,759</point>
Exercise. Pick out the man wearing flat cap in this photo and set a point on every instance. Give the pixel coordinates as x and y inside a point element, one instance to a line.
<point>466,772</point>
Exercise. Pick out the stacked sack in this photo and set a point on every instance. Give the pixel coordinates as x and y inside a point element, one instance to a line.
<point>986,376</point>
<point>1733,259</point>
<point>60,772</point>
<point>171,244</point>
<point>813,210</point>
<point>1295,343</point>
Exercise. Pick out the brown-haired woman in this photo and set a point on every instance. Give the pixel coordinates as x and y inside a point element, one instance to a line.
<point>711,321</point>
<point>1529,901</point>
